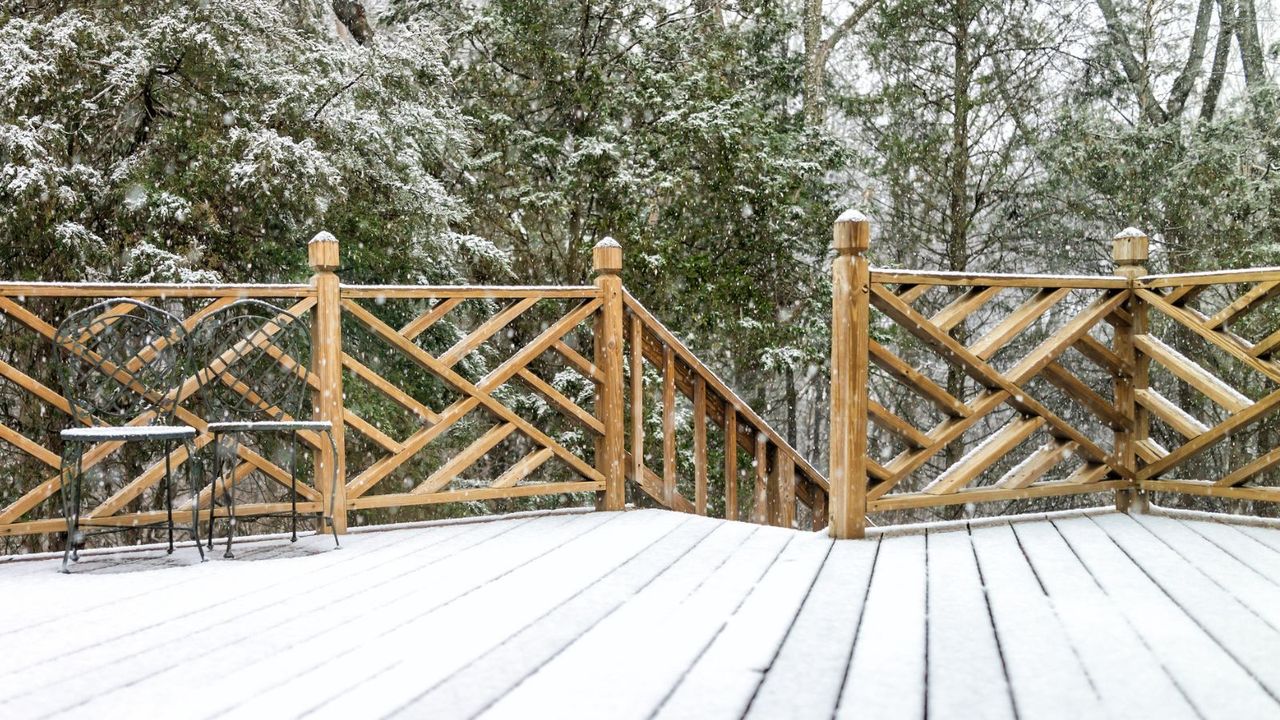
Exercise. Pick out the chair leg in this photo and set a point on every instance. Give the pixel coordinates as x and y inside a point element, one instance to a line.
<point>213,486</point>
<point>67,471</point>
<point>293,494</point>
<point>168,490</point>
<point>196,484</point>
<point>230,491</point>
<point>76,487</point>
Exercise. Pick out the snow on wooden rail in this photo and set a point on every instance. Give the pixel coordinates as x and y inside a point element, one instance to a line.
<point>1038,386</point>
<point>437,394</point>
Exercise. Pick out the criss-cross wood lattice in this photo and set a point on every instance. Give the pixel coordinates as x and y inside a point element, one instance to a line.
<point>1219,342</point>
<point>130,500</point>
<point>480,395</point>
<point>1027,411</point>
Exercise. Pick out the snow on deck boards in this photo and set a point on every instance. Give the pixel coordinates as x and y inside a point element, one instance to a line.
<point>653,614</point>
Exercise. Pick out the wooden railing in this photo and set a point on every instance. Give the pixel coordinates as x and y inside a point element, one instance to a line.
<point>437,395</point>
<point>957,388</point>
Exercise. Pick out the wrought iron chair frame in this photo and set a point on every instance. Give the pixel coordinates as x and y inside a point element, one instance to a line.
<point>288,397</point>
<point>131,391</point>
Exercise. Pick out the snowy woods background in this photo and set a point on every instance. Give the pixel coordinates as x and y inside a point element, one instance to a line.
<point>498,140</point>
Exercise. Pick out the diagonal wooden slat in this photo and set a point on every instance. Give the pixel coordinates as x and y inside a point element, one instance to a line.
<point>450,470</point>
<point>558,399</point>
<point>1151,450</point>
<point>1037,464</point>
<point>523,467</point>
<point>1262,463</point>
<point>1201,442</point>
<point>419,325</point>
<point>1102,356</point>
<point>916,381</point>
<point>1017,321</point>
<point>969,302</point>
<point>412,445</point>
<point>1194,375</point>
<point>1227,343</point>
<point>890,422</point>
<point>944,434</point>
<point>1063,338</point>
<point>1256,296</point>
<point>1077,390</point>
<point>30,447</point>
<point>487,329</point>
<point>390,389</point>
<point>579,363</point>
<point>1172,415</point>
<point>910,293</point>
<point>1087,474</point>
<point>984,455</point>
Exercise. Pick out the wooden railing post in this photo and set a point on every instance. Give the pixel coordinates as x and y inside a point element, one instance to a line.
<point>1129,250</point>
<point>326,363</point>
<point>607,262</point>
<point>850,337</point>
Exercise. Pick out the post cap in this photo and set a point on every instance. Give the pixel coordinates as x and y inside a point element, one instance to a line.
<point>322,251</point>
<point>1130,247</point>
<point>606,256</point>
<point>852,232</point>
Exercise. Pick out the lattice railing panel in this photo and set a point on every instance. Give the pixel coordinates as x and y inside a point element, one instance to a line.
<point>489,396</point>
<point>1214,386</point>
<point>123,483</point>
<point>980,389</point>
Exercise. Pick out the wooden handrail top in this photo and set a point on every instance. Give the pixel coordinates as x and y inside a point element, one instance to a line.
<point>469,291</point>
<point>160,290</point>
<point>944,277</point>
<point>718,386</point>
<point>1213,277</point>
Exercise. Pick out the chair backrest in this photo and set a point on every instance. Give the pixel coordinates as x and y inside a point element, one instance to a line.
<point>124,358</point>
<point>253,358</point>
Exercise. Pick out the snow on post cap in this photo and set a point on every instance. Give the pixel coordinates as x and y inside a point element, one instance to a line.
<point>1129,247</point>
<point>1130,232</point>
<point>322,251</point>
<point>606,257</point>
<point>852,215</point>
<point>852,232</point>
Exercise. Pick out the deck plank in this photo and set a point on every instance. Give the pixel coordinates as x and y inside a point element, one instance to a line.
<point>474,687</point>
<point>389,667</point>
<point>723,681</point>
<point>891,635</point>
<point>1261,595</point>
<point>1229,691</point>
<point>249,647</point>
<point>652,614</point>
<point>663,633</point>
<point>1244,635</point>
<point>1107,644</point>
<point>1245,548</point>
<point>966,672</point>
<point>805,678</point>
<point>1045,672</point>
<point>132,641</point>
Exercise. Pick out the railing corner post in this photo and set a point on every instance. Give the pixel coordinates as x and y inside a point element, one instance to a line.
<point>850,338</point>
<point>326,364</point>
<point>607,264</point>
<point>1129,250</point>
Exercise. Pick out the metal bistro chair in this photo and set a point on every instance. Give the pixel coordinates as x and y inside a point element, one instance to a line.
<point>124,364</point>
<point>253,381</point>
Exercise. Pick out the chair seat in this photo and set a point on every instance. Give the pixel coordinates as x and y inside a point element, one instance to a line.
<point>270,426</point>
<point>129,433</point>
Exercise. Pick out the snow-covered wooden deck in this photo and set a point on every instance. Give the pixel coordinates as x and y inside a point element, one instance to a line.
<point>653,613</point>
